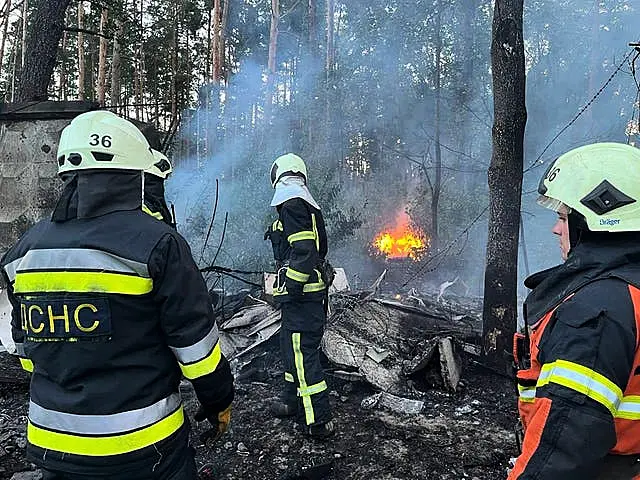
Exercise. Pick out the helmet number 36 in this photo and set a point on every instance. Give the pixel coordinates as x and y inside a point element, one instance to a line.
<point>104,140</point>
<point>551,176</point>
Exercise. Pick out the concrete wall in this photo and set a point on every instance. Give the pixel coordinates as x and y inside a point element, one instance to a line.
<point>29,186</point>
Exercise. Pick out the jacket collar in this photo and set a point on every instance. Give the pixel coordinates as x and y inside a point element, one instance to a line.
<point>93,193</point>
<point>601,256</point>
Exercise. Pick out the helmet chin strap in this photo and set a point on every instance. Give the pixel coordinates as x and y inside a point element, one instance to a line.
<point>577,226</point>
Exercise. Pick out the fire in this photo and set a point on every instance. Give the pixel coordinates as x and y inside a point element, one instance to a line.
<point>401,241</point>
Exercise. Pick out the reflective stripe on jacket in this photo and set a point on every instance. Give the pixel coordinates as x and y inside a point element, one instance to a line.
<point>300,244</point>
<point>580,397</point>
<point>108,314</point>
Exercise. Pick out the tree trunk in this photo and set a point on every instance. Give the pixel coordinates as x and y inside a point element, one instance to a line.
<point>43,37</point>
<point>505,183</point>
<point>25,26</point>
<point>313,28</point>
<point>102,59</point>
<point>271,64</point>
<point>5,29</point>
<point>223,39</point>
<point>62,92</point>
<point>116,65</point>
<point>437,176</point>
<point>81,56</point>
<point>330,39</point>
<point>464,120</point>
<point>174,69</point>
<point>215,40</point>
<point>329,127</point>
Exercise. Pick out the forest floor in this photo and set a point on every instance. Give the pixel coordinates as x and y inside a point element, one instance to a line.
<point>466,435</point>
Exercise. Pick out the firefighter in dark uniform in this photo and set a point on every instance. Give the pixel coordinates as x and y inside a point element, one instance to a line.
<point>299,243</point>
<point>109,312</point>
<point>578,358</point>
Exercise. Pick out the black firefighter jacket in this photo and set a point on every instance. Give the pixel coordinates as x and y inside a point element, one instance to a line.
<point>579,394</point>
<point>109,312</point>
<point>299,241</point>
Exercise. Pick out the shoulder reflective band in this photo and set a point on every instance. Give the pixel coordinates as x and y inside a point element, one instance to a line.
<point>105,445</point>
<point>116,423</point>
<point>156,215</point>
<point>299,362</point>
<point>203,367</point>
<point>198,350</point>
<point>288,377</point>
<point>583,380</point>
<point>297,276</point>
<point>78,270</point>
<point>304,235</point>
<point>527,394</point>
<point>27,364</point>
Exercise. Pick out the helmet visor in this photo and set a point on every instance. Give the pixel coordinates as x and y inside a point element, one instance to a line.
<point>553,204</point>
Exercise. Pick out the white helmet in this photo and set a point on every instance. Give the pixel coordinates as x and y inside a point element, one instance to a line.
<point>161,167</point>
<point>601,182</point>
<point>102,140</point>
<point>290,164</point>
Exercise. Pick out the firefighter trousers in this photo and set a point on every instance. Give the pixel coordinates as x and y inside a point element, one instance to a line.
<point>181,467</point>
<point>305,385</point>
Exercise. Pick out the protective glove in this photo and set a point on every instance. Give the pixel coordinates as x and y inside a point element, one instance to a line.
<point>294,288</point>
<point>219,421</point>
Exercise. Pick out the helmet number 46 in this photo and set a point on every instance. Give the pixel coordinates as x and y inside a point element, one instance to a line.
<point>96,140</point>
<point>551,176</point>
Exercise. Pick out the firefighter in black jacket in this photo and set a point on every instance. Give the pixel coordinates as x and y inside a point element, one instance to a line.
<point>109,312</point>
<point>299,243</point>
<point>579,358</point>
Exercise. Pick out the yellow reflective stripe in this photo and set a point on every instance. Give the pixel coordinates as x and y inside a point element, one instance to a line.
<point>297,276</point>
<point>82,282</point>
<point>583,380</point>
<point>26,364</point>
<point>527,394</point>
<point>148,211</point>
<point>304,235</point>
<point>277,225</point>
<point>314,287</point>
<point>312,389</point>
<point>299,361</point>
<point>315,231</point>
<point>288,377</point>
<point>629,408</point>
<point>107,445</point>
<point>204,366</point>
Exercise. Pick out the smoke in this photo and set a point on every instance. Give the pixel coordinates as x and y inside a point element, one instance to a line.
<point>373,151</point>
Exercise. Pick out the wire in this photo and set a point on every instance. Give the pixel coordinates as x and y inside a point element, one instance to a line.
<point>580,112</point>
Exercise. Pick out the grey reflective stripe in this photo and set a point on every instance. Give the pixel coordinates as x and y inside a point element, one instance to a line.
<point>20,349</point>
<point>10,269</point>
<point>83,259</point>
<point>198,350</point>
<point>103,424</point>
<point>527,392</point>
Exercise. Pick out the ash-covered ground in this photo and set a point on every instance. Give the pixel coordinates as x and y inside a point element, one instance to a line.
<point>466,435</point>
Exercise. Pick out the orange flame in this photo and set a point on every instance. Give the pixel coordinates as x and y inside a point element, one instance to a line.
<point>402,241</point>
